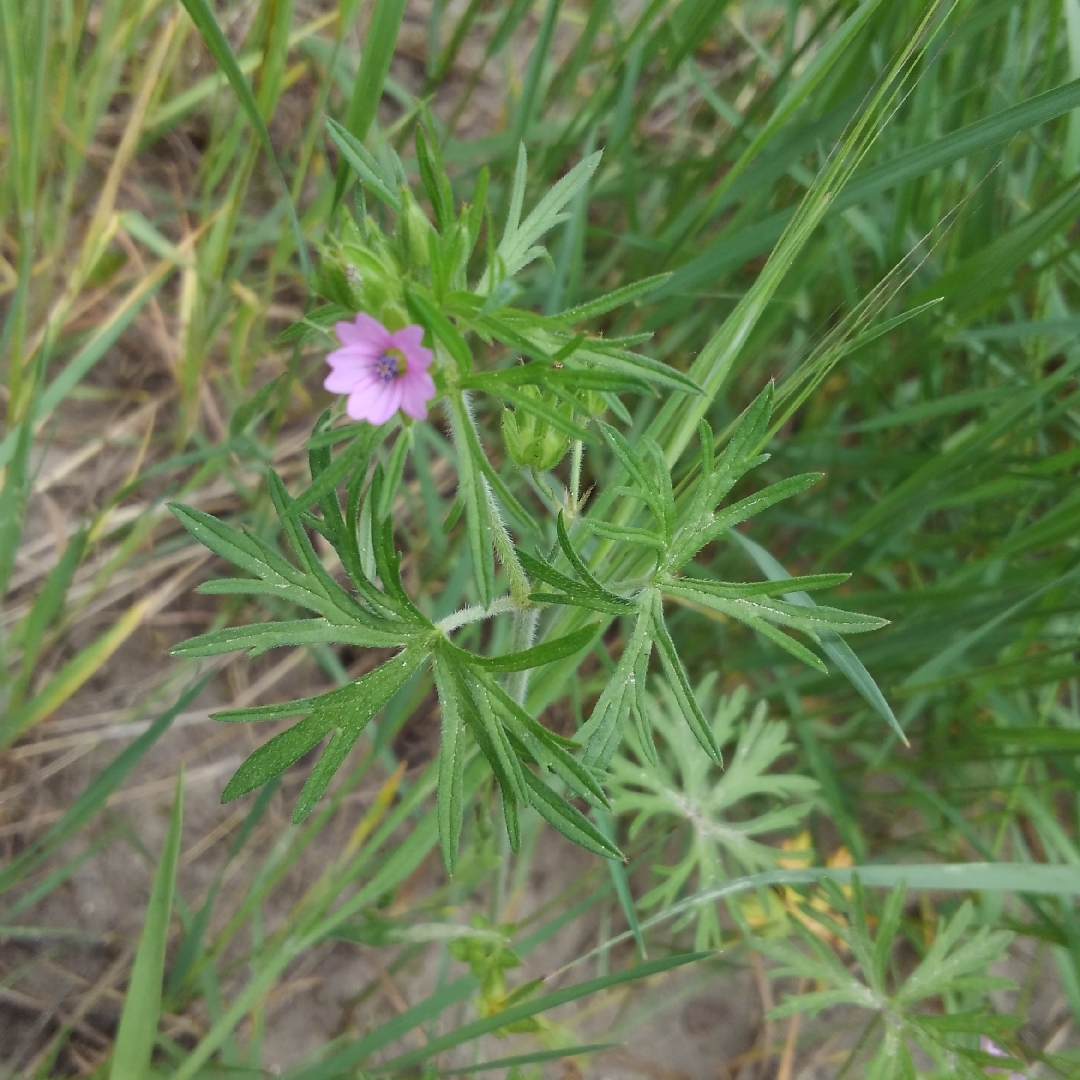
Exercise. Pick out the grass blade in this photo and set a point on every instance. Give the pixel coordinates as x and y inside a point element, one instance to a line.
<point>219,47</point>
<point>137,1033</point>
<point>374,67</point>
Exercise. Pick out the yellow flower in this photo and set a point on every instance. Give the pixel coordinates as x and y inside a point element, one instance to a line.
<point>770,916</point>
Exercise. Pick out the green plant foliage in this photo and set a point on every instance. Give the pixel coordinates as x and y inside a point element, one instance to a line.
<point>724,815</point>
<point>754,328</point>
<point>955,964</point>
<point>139,1019</point>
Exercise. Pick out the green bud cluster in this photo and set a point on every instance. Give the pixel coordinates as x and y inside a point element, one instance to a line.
<point>531,442</point>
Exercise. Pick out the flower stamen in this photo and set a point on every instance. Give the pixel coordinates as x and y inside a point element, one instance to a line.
<point>390,365</point>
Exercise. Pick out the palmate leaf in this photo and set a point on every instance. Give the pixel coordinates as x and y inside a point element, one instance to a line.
<point>625,534</point>
<point>518,246</point>
<point>645,487</point>
<point>720,817</point>
<point>586,593</point>
<point>365,165</point>
<point>344,712</point>
<point>511,740</point>
<point>480,719</point>
<point>542,746</point>
<point>696,534</point>
<point>565,380</point>
<point>838,650</point>
<point>957,960</point>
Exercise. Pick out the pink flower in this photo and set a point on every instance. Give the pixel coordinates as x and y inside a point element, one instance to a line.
<point>988,1046</point>
<point>381,371</point>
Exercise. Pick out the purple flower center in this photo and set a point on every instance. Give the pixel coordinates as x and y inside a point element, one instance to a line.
<point>391,365</point>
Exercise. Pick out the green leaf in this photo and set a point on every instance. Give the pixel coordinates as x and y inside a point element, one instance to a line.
<point>353,459</point>
<point>543,745</point>
<point>1035,740</point>
<point>680,683</point>
<point>626,294</point>
<point>425,312</point>
<point>235,547</point>
<point>635,365</point>
<point>46,606</point>
<point>602,732</point>
<point>632,463</point>
<point>570,591</point>
<point>589,582</point>
<point>348,709</point>
<point>837,650</point>
<point>787,643</point>
<point>810,620</point>
<point>480,717</point>
<point>479,526</point>
<point>276,711</point>
<point>253,408</point>
<point>567,819</point>
<point>621,882</point>
<point>517,194</point>
<point>364,165</point>
<point>450,806</point>
<point>259,637</point>
<point>517,247</point>
<point>433,176</point>
<point>739,590</point>
<point>625,534</point>
<point>314,574</point>
<point>729,251</point>
<point>277,755</point>
<point>353,712</point>
<point>13,499</point>
<point>137,1033</point>
<point>662,484</point>
<point>755,504</point>
<point>545,653</point>
<point>519,133</point>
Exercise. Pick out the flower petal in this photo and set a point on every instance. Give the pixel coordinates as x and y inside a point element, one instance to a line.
<point>363,332</point>
<point>408,337</point>
<point>418,388</point>
<point>409,342</point>
<point>351,378</point>
<point>375,405</point>
<point>351,355</point>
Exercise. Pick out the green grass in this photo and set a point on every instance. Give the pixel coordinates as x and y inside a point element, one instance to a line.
<point>870,205</point>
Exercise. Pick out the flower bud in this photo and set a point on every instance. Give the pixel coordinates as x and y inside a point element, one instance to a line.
<point>413,232</point>
<point>531,442</point>
<point>593,402</point>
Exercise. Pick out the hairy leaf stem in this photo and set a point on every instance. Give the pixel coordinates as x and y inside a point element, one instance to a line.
<point>477,613</point>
